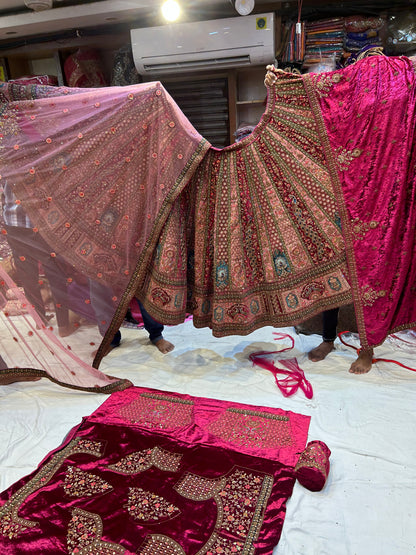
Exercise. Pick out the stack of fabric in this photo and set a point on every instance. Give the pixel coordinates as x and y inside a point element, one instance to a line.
<point>362,32</point>
<point>324,40</point>
<point>294,50</point>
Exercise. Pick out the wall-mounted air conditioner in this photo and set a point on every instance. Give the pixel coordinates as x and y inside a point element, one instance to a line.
<point>201,45</point>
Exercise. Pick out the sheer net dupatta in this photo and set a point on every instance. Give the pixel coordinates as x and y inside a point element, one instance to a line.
<point>88,177</point>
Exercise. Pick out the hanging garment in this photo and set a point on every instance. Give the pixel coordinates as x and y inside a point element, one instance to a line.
<point>155,472</point>
<point>315,208</point>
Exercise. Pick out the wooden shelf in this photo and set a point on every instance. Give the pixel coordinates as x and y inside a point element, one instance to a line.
<point>242,102</point>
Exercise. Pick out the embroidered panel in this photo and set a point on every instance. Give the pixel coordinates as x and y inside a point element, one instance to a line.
<point>11,525</point>
<point>143,460</point>
<point>252,428</point>
<point>82,484</point>
<point>158,411</point>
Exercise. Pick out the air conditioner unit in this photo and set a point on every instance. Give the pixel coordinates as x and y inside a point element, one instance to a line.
<point>201,45</point>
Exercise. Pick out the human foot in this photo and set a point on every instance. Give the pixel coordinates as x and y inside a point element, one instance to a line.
<point>164,346</point>
<point>363,363</point>
<point>321,351</point>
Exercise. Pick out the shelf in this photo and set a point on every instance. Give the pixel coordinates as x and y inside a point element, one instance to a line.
<point>242,102</point>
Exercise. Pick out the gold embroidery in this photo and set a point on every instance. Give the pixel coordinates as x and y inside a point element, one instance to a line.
<point>360,228</point>
<point>325,82</point>
<point>81,484</point>
<point>158,544</point>
<point>159,411</point>
<point>84,532</point>
<point>345,157</point>
<point>370,295</point>
<point>252,428</point>
<point>11,525</point>
<point>140,461</point>
<point>146,506</point>
<point>241,498</point>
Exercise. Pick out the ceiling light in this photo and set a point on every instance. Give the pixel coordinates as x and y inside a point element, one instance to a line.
<point>171,10</point>
<point>244,7</point>
<point>38,5</point>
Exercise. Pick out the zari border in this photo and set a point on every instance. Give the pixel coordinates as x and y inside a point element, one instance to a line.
<point>13,375</point>
<point>141,268</point>
<point>345,223</point>
<point>11,507</point>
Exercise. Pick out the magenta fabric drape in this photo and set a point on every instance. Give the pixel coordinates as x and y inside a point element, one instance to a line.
<point>156,472</point>
<point>368,115</point>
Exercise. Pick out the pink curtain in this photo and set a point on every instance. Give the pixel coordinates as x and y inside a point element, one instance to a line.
<point>366,115</point>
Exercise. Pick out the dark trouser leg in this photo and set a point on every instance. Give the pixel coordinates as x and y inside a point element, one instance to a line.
<point>329,324</point>
<point>57,283</point>
<point>103,307</point>
<point>27,265</point>
<point>29,249</point>
<point>153,328</point>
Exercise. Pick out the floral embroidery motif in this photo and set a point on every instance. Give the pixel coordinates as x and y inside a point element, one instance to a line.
<point>313,457</point>
<point>81,484</point>
<point>84,532</point>
<point>158,544</point>
<point>11,525</point>
<point>313,290</point>
<point>222,275</point>
<point>137,462</point>
<point>345,157</point>
<point>334,283</point>
<point>291,300</point>
<point>240,497</point>
<point>200,488</point>
<point>238,312</point>
<point>370,295</point>
<point>252,428</point>
<point>225,546</point>
<point>360,228</point>
<point>281,264</point>
<point>325,82</point>
<point>160,297</point>
<point>148,507</point>
<point>159,411</point>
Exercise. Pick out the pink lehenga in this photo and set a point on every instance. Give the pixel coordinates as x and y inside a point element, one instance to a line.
<point>312,210</point>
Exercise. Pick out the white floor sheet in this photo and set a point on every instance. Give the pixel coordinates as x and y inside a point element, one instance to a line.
<point>368,504</point>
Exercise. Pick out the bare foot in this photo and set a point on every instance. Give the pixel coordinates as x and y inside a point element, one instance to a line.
<point>64,331</point>
<point>164,346</point>
<point>363,363</point>
<point>321,351</point>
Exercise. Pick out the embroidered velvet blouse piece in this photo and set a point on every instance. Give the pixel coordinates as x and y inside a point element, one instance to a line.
<point>152,472</point>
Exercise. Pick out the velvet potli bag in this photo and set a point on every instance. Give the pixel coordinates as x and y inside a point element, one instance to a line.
<point>312,468</point>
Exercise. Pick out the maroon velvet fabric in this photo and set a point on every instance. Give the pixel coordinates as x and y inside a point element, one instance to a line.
<point>312,469</point>
<point>152,472</point>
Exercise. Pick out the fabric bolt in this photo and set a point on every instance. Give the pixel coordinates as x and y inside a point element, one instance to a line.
<point>315,208</point>
<point>155,472</point>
